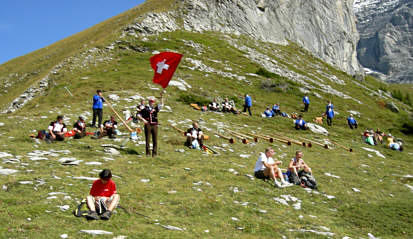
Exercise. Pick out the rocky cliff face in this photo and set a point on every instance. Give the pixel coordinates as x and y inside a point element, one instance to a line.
<point>324,27</point>
<point>386,38</point>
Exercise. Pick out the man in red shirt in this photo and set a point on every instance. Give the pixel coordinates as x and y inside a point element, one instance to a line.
<point>103,196</point>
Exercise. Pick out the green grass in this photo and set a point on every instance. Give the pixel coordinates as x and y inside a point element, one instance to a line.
<point>373,210</point>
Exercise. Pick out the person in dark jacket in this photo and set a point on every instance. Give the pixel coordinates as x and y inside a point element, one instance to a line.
<point>56,130</point>
<point>97,108</point>
<point>247,104</point>
<point>109,128</point>
<point>80,128</point>
<point>149,116</point>
<point>192,134</point>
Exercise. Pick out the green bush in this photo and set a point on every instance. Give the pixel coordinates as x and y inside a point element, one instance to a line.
<point>407,124</point>
<point>191,98</point>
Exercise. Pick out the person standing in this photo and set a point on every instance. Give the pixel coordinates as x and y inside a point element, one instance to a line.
<point>330,113</point>
<point>97,108</point>
<point>351,122</point>
<point>306,102</point>
<point>247,104</point>
<point>149,116</point>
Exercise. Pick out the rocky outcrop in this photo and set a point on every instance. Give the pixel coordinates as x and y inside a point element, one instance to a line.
<point>386,38</point>
<point>324,27</point>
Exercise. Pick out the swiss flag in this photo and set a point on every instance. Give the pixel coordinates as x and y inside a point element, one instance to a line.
<point>164,64</point>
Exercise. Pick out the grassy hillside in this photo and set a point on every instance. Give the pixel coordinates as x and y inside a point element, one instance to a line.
<point>207,196</point>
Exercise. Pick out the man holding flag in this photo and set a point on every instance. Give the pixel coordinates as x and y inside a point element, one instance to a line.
<point>164,64</point>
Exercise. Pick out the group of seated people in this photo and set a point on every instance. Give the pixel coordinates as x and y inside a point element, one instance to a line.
<point>57,130</point>
<point>374,137</point>
<point>227,106</point>
<point>298,172</point>
<point>273,111</point>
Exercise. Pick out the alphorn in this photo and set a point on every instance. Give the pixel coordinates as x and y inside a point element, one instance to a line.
<point>179,130</point>
<point>315,142</point>
<point>206,137</point>
<point>292,140</point>
<point>341,146</point>
<point>271,140</point>
<point>133,134</point>
<point>231,140</point>
<point>243,139</point>
<point>244,135</point>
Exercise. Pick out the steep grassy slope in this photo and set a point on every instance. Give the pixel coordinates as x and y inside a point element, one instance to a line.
<point>207,196</point>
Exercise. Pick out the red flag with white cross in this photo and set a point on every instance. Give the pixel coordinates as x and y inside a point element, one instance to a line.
<point>164,64</point>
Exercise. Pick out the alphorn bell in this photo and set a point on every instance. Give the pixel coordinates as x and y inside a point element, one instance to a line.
<point>244,135</point>
<point>271,140</point>
<point>243,139</point>
<point>231,140</point>
<point>278,139</point>
<point>293,141</point>
<point>315,142</point>
<point>341,146</point>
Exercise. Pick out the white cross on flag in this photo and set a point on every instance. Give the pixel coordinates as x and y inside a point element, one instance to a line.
<point>164,64</point>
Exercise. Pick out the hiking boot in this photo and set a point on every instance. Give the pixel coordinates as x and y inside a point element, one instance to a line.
<point>286,184</point>
<point>92,216</point>
<point>106,215</point>
<point>277,184</point>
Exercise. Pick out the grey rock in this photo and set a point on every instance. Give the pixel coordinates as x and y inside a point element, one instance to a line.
<point>386,39</point>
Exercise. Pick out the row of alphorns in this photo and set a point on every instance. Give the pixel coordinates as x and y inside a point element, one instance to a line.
<point>246,138</point>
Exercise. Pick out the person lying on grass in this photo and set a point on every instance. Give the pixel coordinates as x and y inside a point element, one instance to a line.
<point>194,137</point>
<point>266,168</point>
<point>103,198</point>
<point>268,113</point>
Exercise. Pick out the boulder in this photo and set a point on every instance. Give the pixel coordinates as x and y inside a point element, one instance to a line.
<point>391,106</point>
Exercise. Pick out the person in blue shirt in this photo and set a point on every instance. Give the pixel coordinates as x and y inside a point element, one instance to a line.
<point>300,123</point>
<point>97,108</point>
<point>330,113</point>
<point>276,109</point>
<point>268,113</point>
<point>306,102</point>
<point>352,122</point>
<point>247,104</point>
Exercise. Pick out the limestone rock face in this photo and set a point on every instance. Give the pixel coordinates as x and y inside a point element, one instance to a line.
<point>324,27</point>
<point>386,38</point>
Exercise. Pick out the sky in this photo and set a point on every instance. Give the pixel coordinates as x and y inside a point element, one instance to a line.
<point>28,25</point>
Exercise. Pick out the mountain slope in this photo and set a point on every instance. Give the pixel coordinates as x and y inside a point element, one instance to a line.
<point>386,30</point>
<point>206,196</point>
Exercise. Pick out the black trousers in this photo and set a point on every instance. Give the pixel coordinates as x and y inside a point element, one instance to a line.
<point>329,121</point>
<point>306,107</point>
<point>352,125</point>
<point>151,129</point>
<point>249,109</point>
<point>97,113</point>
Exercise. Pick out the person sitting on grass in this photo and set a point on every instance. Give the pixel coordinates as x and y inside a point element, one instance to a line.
<point>80,128</point>
<point>103,198</point>
<point>352,123</point>
<point>295,168</point>
<point>56,130</point>
<point>378,136</point>
<point>109,128</point>
<point>214,105</point>
<point>300,123</point>
<point>369,137</point>
<point>268,113</point>
<point>395,145</point>
<point>276,109</point>
<point>194,137</point>
<point>266,168</point>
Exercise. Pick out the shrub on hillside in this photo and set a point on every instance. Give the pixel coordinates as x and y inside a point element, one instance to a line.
<point>407,124</point>
<point>191,98</point>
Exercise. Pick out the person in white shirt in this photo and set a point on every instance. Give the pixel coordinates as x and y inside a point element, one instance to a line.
<point>57,130</point>
<point>194,137</point>
<point>266,168</point>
